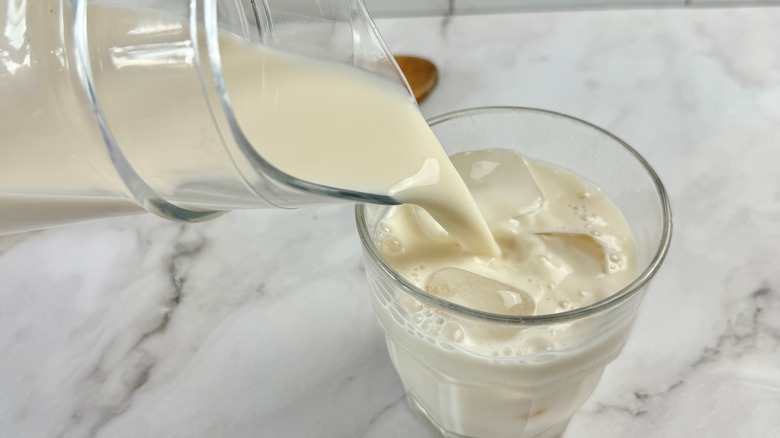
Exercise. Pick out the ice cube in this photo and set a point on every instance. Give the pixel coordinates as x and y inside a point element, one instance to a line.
<point>584,243</point>
<point>500,182</point>
<point>479,292</point>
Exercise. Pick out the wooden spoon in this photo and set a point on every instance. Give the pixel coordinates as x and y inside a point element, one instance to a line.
<point>420,73</point>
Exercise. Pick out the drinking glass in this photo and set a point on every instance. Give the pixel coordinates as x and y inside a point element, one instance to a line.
<point>475,374</point>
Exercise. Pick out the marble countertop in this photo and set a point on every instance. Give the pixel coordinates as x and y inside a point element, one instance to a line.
<point>258,324</point>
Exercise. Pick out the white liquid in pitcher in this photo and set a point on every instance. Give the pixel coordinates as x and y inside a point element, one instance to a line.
<point>324,123</point>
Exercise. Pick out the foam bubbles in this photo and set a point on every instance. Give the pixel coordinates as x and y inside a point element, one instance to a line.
<point>452,332</point>
<point>391,246</point>
<point>536,344</point>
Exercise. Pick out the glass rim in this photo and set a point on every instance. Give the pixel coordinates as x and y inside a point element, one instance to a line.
<point>607,303</point>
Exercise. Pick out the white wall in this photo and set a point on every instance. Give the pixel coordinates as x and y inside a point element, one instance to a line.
<point>402,8</point>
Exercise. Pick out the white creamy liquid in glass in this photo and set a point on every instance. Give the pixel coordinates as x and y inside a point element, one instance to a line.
<point>564,245</point>
<point>563,242</point>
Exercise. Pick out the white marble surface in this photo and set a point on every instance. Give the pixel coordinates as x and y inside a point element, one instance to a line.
<point>258,324</point>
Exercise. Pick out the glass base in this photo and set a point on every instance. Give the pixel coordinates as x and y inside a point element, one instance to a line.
<point>555,431</point>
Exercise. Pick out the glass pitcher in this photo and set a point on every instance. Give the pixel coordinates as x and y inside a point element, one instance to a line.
<point>117,107</point>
